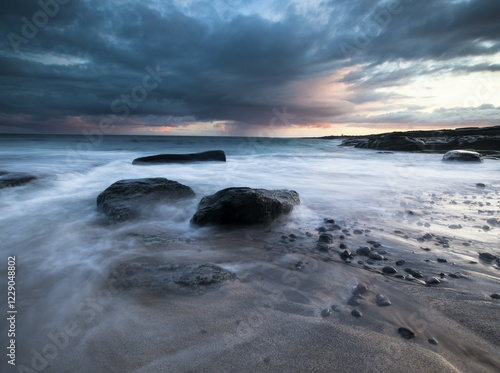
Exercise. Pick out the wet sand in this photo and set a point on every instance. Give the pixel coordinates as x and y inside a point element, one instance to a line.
<point>273,318</point>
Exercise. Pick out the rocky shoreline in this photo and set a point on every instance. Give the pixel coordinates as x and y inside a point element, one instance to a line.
<point>486,141</point>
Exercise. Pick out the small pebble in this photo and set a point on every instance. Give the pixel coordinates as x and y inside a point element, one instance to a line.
<point>432,281</point>
<point>382,300</point>
<point>357,231</point>
<point>375,256</point>
<point>432,341</point>
<point>326,312</point>
<point>441,260</point>
<point>406,333</point>
<point>267,359</point>
<point>480,185</point>
<point>400,262</point>
<point>343,246</point>
<point>389,270</point>
<point>364,250</point>
<point>356,313</point>
<point>495,296</point>
<point>326,238</point>
<point>321,246</point>
<point>346,254</point>
<point>360,289</point>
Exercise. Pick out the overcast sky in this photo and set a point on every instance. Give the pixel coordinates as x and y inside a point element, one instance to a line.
<point>248,67</point>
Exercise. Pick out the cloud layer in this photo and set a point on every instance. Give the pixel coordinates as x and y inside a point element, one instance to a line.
<point>67,65</point>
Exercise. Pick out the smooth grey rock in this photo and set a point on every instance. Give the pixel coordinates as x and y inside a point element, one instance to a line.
<point>244,206</point>
<point>124,199</point>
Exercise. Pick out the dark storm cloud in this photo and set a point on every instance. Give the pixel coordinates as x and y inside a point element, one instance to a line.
<point>219,63</point>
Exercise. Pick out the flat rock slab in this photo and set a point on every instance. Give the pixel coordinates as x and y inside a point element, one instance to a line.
<point>212,155</point>
<point>13,179</point>
<point>169,277</point>
<point>462,156</point>
<point>244,206</point>
<point>124,199</point>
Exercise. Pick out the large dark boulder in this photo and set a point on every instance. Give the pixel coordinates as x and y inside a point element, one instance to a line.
<point>245,206</point>
<point>124,199</point>
<point>462,156</point>
<point>212,155</point>
<point>13,179</point>
<point>169,277</point>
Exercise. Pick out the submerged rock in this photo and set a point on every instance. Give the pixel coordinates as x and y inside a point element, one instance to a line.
<point>244,206</point>
<point>462,156</point>
<point>13,179</point>
<point>212,155</point>
<point>169,277</point>
<point>124,199</point>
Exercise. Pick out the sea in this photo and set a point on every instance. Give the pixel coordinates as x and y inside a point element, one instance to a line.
<point>62,243</point>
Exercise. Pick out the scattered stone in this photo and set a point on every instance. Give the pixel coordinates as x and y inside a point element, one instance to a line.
<point>308,234</point>
<point>455,226</point>
<point>356,313</point>
<point>244,206</point>
<point>425,249</point>
<point>400,262</point>
<point>375,256</point>
<point>360,289</point>
<point>382,300</point>
<point>375,244</point>
<point>299,265</point>
<point>494,222</point>
<point>357,231</point>
<point>415,273</point>
<point>487,257</point>
<point>364,250</point>
<point>343,246</point>
<point>346,254</point>
<point>326,312</point>
<point>125,199</point>
<point>406,333</point>
<point>432,341</point>
<point>480,185</point>
<point>428,236</point>
<point>329,221</point>
<point>432,281</point>
<point>495,296</point>
<point>326,238</point>
<point>353,301</point>
<point>389,270</point>
<point>462,156</point>
<point>321,246</point>
<point>441,260</point>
